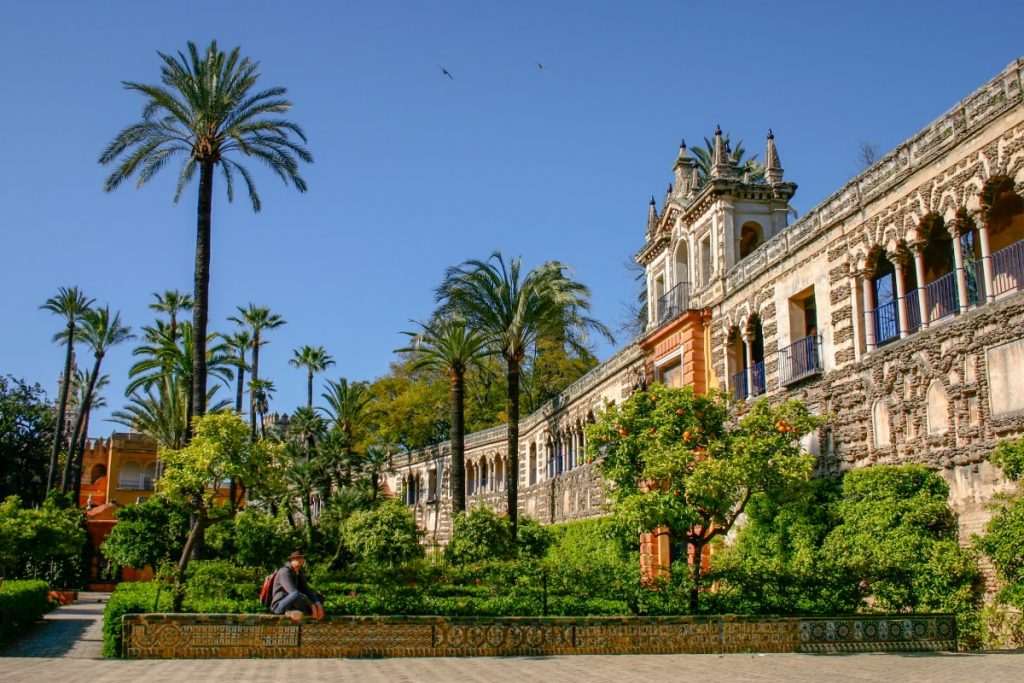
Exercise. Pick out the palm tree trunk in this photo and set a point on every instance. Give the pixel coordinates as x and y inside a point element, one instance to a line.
<point>254,374</point>
<point>239,390</point>
<point>458,443</point>
<point>76,433</point>
<point>512,471</point>
<point>80,460</point>
<point>309,390</point>
<point>202,294</point>
<point>65,391</point>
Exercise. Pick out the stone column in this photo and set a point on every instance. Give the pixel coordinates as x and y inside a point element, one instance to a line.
<point>869,310</point>
<point>901,293</point>
<point>986,263</point>
<point>855,318</point>
<point>961,274</point>
<point>748,355</point>
<point>922,292</point>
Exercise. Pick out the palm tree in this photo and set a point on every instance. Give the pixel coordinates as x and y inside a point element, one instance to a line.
<point>376,463</point>
<point>161,356</point>
<point>448,345</point>
<point>207,111</point>
<point>306,427</point>
<point>256,319</point>
<point>347,404</point>
<point>71,305</point>
<point>101,331</point>
<point>240,343</point>
<point>261,390</point>
<point>513,312</point>
<point>303,483</point>
<point>93,400</point>
<point>314,359</point>
<point>706,158</point>
<point>170,302</point>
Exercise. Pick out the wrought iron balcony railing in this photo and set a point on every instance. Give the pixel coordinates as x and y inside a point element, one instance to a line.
<point>673,303</point>
<point>800,359</point>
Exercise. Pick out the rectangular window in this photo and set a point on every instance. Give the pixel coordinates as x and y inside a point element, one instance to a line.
<point>705,261</point>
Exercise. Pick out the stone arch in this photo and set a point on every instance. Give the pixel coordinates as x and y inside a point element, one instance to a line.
<point>98,471</point>
<point>130,475</point>
<point>881,424</point>
<point>938,409</point>
<point>682,263</point>
<point>751,237</point>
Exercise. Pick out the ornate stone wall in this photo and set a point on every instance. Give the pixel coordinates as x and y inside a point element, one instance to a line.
<point>226,636</point>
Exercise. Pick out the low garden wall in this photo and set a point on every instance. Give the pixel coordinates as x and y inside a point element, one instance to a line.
<point>182,636</point>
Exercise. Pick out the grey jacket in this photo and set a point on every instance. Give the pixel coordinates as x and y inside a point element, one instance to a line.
<point>286,582</point>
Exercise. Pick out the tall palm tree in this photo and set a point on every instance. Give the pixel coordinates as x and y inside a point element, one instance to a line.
<point>306,427</point>
<point>261,390</point>
<point>93,400</point>
<point>513,311</point>
<point>314,359</point>
<point>240,343</point>
<point>347,411</point>
<point>256,319</point>
<point>446,344</point>
<point>101,331</point>
<point>72,305</point>
<point>377,463</point>
<point>170,302</point>
<point>207,111</point>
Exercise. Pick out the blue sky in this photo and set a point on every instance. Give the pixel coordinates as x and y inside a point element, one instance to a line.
<point>415,172</point>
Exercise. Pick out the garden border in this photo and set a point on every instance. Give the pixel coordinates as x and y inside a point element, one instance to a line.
<point>197,636</point>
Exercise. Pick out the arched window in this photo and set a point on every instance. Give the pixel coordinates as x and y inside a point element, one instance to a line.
<point>751,237</point>
<point>939,264</point>
<point>129,476</point>
<point>880,424</point>
<point>98,471</point>
<point>149,476</point>
<point>886,307</point>
<point>533,464</point>
<point>682,263</point>
<point>1002,211</point>
<point>938,409</point>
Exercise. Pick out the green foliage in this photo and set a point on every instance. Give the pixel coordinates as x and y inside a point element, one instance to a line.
<point>220,586</point>
<point>1009,455</point>
<point>1004,535</point>
<point>384,534</point>
<point>22,603</point>
<point>131,598</point>
<point>899,537</point>
<point>533,539</point>
<point>147,534</point>
<point>26,433</point>
<point>254,539</point>
<point>776,565</point>
<point>44,543</point>
<point>479,535</point>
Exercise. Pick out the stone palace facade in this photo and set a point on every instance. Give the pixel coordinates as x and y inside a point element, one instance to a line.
<point>896,306</point>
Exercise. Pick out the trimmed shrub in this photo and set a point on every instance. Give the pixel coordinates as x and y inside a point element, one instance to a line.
<point>479,535</point>
<point>384,534</point>
<point>22,603</point>
<point>132,598</point>
<point>220,586</point>
<point>253,539</point>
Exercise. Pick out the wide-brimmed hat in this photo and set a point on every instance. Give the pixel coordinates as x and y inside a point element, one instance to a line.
<point>296,555</point>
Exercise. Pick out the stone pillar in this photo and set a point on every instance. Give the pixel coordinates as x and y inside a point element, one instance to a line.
<point>922,293</point>
<point>986,263</point>
<point>856,318</point>
<point>869,310</point>
<point>748,355</point>
<point>901,294</point>
<point>961,274</point>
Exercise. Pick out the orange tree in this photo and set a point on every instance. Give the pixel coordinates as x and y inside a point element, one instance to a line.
<point>684,461</point>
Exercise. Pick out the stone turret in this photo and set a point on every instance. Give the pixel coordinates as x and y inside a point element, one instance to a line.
<point>684,170</point>
<point>772,166</point>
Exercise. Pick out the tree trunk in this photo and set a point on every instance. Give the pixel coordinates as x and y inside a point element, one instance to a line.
<point>458,443</point>
<point>695,573</point>
<point>76,432</point>
<point>186,557</point>
<point>240,389</point>
<point>309,390</point>
<point>201,296</point>
<point>512,471</point>
<point>62,407</point>
<point>254,375</point>
<point>80,461</point>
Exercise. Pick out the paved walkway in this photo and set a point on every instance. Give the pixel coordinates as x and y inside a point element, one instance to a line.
<point>67,648</point>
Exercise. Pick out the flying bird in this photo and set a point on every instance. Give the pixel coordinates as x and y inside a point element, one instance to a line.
<point>444,72</point>
<point>540,66</point>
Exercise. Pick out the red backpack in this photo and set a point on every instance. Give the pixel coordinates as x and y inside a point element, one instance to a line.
<point>267,592</point>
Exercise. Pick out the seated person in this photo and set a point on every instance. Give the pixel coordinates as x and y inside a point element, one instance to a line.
<point>292,594</point>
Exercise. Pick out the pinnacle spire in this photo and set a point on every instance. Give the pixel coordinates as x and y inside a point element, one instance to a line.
<point>652,217</point>
<point>772,166</point>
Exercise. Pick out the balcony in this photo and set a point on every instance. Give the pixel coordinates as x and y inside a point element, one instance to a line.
<point>140,483</point>
<point>1008,269</point>
<point>887,322</point>
<point>799,360</point>
<point>757,383</point>
<point>673,303</point>
<point>942,297</point>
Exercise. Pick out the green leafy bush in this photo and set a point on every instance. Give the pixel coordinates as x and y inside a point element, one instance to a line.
<point>147,534</point>
<point>44,543</point>
<point>253,539</point>
<point>384,534</point>
<point>220,586</point>
<point>132,598</point>
<point>22,603</point>
<point>532,539</point>
<point>479,535</point>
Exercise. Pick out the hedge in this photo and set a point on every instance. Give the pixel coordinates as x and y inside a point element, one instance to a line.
<point>22,603</point>
<point>131,598</point>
